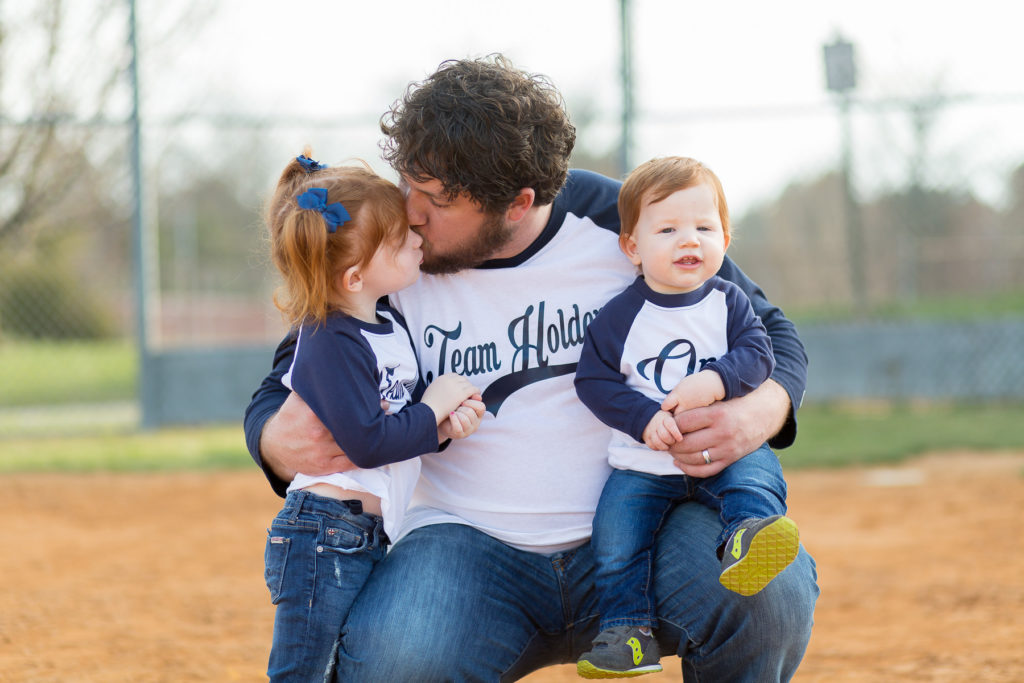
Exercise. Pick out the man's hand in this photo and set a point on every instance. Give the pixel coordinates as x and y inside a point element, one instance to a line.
<point>295,440</point>
<point>729,430</point>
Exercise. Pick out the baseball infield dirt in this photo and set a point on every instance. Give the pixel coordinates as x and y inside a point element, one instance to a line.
<point>158,577</point>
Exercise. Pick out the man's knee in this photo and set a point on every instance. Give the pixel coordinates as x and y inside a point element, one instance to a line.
<point>788,601</point>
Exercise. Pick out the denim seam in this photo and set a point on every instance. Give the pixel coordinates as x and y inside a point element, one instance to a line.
<point>522,653</point>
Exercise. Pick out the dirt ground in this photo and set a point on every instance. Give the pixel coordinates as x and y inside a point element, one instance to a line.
<point>159,577</point>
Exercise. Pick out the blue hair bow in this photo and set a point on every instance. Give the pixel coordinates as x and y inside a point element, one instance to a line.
<point>315,199</point>
<point>309,165</point>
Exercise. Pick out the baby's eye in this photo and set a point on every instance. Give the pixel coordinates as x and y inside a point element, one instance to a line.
<point>665,231</point>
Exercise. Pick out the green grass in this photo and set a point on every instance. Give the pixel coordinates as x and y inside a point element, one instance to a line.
<point>217,447</point>
<point>50,372</point>
<point>839,435</point>
<point>946,307</point>
<point>830,436</point>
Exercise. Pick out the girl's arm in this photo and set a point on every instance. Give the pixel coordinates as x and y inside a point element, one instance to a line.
<point>336,374</point>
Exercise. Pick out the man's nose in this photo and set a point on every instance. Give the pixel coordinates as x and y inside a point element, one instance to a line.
<point>414,210</point>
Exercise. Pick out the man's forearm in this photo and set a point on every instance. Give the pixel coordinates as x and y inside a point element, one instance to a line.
<point>278,475</point>
<point>268,456</point>
<point>774,407</point>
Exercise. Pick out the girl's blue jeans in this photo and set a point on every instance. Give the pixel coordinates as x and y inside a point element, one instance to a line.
<point>631,510</point>
<point>450,603</point>
<point>319,554</point>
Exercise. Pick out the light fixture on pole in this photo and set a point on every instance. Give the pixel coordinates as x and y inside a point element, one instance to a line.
<point>841,78</point>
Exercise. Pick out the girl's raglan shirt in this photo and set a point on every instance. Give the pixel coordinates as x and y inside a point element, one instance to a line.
<point>343,369</point>
<point>643,343</point>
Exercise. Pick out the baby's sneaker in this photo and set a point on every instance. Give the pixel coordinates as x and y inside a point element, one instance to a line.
<point>620,652</point>
<point>757,552</point>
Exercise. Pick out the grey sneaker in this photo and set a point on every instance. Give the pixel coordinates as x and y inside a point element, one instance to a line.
<point>757,552</point>
<point>620,652</point>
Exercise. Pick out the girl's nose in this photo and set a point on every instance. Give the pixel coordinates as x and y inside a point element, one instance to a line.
<point>415,240</point>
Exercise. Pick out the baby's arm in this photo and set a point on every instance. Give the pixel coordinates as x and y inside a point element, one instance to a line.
<point>695,391</point>
<point>603,388</point>
<point>661,432</point>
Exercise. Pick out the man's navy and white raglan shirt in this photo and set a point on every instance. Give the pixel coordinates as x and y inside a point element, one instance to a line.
<point>643,343</point>
<point>343,369</point>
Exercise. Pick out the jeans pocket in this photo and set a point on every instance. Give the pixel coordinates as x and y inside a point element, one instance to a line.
<point>346,539</point>
<point>275,557</point>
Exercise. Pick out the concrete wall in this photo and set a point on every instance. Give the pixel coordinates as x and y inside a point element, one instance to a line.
<point>977,360</point>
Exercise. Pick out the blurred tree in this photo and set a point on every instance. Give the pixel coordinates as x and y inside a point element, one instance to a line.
<point>593,151</point>
<point>64,190</point>
<point>45,86</point>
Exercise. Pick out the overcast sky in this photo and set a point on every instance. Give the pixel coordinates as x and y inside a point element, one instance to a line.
<point>739,84</point>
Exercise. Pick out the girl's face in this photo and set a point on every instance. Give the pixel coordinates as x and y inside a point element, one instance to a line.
<point>679,242</point>
<point>394,267</point>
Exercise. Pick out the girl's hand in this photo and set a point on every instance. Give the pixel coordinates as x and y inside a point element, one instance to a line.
<point>462,421</point>
<point>662,431</point>
<point>446,393</point>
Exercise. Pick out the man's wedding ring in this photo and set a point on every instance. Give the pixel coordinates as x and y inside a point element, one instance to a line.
<point>707,456</point>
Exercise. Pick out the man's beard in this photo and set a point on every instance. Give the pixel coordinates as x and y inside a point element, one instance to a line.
<point>494,234</point>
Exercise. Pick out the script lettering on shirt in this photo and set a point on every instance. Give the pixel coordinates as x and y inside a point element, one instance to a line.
<point>467,361</point>
<point>687,354</point>
<point>534,337</point>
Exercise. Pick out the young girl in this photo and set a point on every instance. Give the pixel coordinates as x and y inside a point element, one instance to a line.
<point>341,240</point>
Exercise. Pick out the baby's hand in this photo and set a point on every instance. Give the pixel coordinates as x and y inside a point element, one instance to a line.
<point>694,391</point>
<point>462,421</point>
<point>662,431</point>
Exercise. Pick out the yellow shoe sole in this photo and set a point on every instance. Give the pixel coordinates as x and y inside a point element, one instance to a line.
<point>773,549</point>
<point>588,670</point>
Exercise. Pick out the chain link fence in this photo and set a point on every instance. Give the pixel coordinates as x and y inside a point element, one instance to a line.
<point>937,314</point>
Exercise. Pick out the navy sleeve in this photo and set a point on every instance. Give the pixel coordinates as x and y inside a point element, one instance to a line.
<point>590,194</point>
<point>749,361</point>
<point>336,374</point>
<point>265,403</point>
<point>599,382</point>
<point>790,357</point>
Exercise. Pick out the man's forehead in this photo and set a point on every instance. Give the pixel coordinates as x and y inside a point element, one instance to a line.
<point>431,186</point>
<point>435,189</point>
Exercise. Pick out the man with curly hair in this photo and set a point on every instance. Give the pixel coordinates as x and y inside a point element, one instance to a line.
<point>492,576</point>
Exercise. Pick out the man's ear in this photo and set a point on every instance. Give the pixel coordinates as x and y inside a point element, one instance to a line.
<point>352,279</point>
<point>521,204</point>
<point>629,248</point>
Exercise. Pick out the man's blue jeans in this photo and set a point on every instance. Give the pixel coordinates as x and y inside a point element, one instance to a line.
<point>450,603</point>
<point>631,510</point>
<point>318,556</point>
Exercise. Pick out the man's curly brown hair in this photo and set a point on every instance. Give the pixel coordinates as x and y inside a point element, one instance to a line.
<point>482,127</point>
